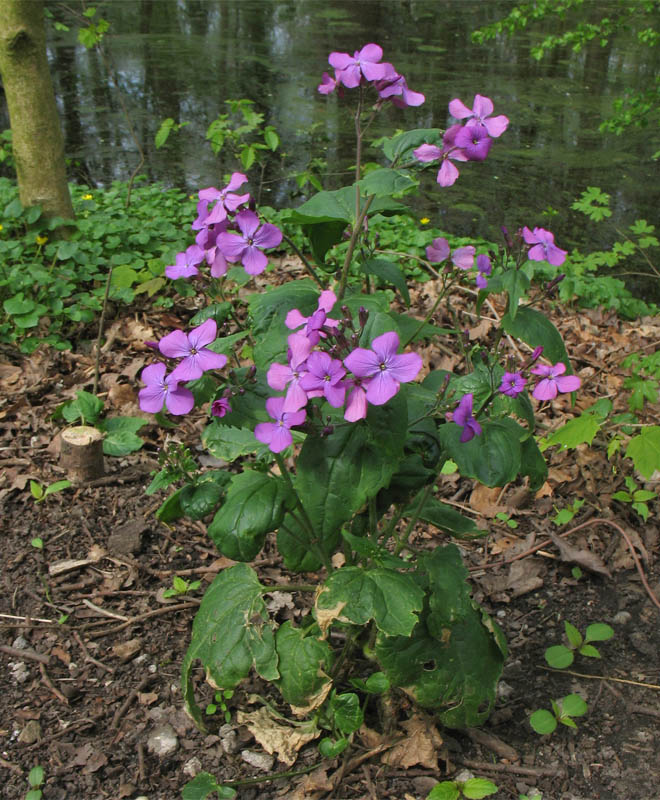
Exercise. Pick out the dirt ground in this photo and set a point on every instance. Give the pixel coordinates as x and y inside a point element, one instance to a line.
<point>91,652</point>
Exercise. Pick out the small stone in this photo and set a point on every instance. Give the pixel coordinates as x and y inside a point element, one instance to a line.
<point>19,671</point>
<point>20,643</point>
<point>229,742</point>
<point>622,618</point>
<point>261,761</point>
<point>504,690</point>
<point>127,539</point>
<point>192,767</point>
<point>642,644</point>
<point>31,733</point>
<point>125,651</point>
<point>163,740</point>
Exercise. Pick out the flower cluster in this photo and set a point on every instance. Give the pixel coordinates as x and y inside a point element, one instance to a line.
<point>195,359</point>
<point>362,377</point>
<point>469,142</point>
<point>226,234</point>
<point>364,68</point>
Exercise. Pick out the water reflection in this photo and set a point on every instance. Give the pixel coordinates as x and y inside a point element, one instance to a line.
<point>184,59</point>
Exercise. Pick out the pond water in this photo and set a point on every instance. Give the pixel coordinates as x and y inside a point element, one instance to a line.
<point>184,58</point>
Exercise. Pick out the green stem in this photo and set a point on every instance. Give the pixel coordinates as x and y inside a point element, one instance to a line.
<point>308,266</point>
<point>282,587</point>
<point>351,247</point>
<point>275,776</point>
<point>424,322</point>
<point>402,541</point>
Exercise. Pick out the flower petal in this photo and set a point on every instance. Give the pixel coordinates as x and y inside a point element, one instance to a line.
<point>175,345</point>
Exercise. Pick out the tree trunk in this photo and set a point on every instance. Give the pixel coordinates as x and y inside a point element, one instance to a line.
<point>36,134</point>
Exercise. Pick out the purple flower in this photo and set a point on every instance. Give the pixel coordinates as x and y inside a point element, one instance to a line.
<point>463,257</point>
<point>395,88</point>
<point>484,268</point>
<point>277,435</point>
<point>197,358</point>
<point>482,108</point>
<point>220,407</point>
<point>246,247</point>
<point>314,323</point>
<point>186,263</point>
<point>356,401</point>
<point>512,384</point>
<point>554,381</point>
<point>447,173</point>
<point>161,389</point>
<point>544,247</point>
<point>438,251</point>
<point>324,378</point>
<point>328,84</point>
<point>474,141</point>
<point>463,416</point>
<point>227,199</point>
<point>281,375</point>
<point>362,64</point>
<point>385,369</point>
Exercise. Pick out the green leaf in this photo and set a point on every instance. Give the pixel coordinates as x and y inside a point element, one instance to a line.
<point>36,490</point>
<point>116,424</point>
<point>200,500</point>
<point>304,660</point>
<point>446,790</point>
<point>558,656</point>
<point>255,505</point>
<point>377,683</point>
<point>390,273</point>
<point>227,443</point>
<point>582,429</point>
<point>121,443</point>
<point>204,784</point>
<point>163,132</point>
<point>57,487</point>
<point>230,635</point>
<point>494,457</point>
<point>400,147</point>
<point>356,595</point>
<point>589,651</point>
<point>323,236</point>
<point>36,776</point>
<point>347,712</point>
<point>171,509</point>
<point>386,183</point>
<point>453,659</point>
<point>444,517</point>
<point>572,634</point>
<point>598,632</point>
<point>536,329</point>
<point>515,283</point>
<point>573,705</point>
<point>644,449</point>
<point>86,406</point>
<point>476,788</point>
<point>330,749</point>
<point>542,721</point>
<point>533,464</point>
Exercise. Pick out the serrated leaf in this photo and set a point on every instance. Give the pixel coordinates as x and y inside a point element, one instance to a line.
<point>573,705</point>
<point>446,790</point>
<point>354,594</point>
<point>304,661</point>
<point>644,449</point>
<point>542,721</point>
<point>476,788</point>
<point>230,635</point>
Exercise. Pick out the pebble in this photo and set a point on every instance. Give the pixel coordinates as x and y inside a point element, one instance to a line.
<point>19,671</point>
<point>622,618</point>
<point>261,761</point>
<point>192,767</point>
<point>229,739</point>
<point>31,733</point>
<point>20,643</point>
<point>163,740</point>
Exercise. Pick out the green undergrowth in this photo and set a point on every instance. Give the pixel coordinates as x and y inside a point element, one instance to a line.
<point>52,283</point>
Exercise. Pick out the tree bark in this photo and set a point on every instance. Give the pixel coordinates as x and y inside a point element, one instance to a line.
<point>36,134</point>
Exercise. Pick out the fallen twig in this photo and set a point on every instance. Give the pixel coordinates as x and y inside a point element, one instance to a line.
<point>123,708</point>
<point>29,654</point>
<point>536,772</point>
<point>47,681</point>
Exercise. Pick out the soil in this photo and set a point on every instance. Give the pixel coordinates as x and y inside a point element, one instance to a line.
<point>109,645</point>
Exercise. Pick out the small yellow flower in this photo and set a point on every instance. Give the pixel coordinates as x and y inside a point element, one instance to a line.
<point>41,240</point>
<point>1,227</point>
<point>87,197</point>
<point>425,220</point>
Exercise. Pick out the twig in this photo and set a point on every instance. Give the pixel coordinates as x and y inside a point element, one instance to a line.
<point>46,679</point>
<point>89,658</point>
<point>643,710</point>
<point>75,726</point>
<point>104,308</point>
<point>30,654</point>
<point>142,617</point>
<point>601,677</point>
<point>142,773</point>
<point>123,708</point>
<point>103,612</point>
<point>13,767</point>
<point>535,772</point>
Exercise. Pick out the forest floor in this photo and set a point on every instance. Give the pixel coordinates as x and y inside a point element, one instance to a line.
<point>91,653</point>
